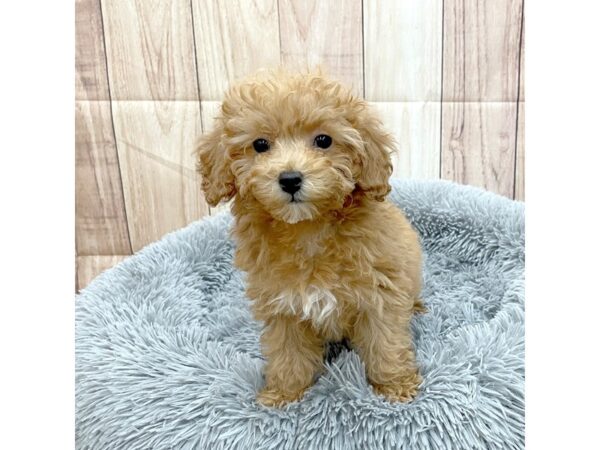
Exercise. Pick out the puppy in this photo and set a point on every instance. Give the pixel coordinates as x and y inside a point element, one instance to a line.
<point>307,165</point>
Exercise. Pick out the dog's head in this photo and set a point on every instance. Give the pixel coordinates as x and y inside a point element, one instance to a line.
<point>297,145</point>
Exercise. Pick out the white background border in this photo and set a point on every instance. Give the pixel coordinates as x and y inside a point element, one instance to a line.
<point>37,237</point>
<point>562,131</point>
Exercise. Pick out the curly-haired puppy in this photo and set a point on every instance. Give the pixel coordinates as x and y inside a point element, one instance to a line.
<point>327,257</point>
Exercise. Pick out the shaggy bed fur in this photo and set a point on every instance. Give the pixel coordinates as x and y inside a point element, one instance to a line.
<point>168,354</point>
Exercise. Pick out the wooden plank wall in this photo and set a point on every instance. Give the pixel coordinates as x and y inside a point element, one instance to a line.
<point>446,76</point>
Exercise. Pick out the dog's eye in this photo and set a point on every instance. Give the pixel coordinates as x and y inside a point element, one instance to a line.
<point>323,141</point>
<point>261,145</point>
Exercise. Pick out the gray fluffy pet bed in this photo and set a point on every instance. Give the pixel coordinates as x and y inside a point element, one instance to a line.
<point>167,352</point>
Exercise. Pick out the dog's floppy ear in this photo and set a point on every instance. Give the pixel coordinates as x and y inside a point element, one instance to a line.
<point>374,157</point>
<point>214,164</point>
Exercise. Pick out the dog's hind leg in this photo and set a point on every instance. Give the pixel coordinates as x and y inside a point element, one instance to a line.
<point>384,343</point>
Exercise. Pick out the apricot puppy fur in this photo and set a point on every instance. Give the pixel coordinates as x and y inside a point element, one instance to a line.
<point>327,257</point>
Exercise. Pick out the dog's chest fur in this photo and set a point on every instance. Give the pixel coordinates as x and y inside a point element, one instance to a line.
<point>310,271</point>
<point>302,275</point>
<point>315,304</point>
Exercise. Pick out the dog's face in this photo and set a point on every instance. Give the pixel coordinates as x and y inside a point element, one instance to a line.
<point>297,146</point>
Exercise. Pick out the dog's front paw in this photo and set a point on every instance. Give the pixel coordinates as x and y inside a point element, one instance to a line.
<point>275,397</point>
<point>401,391</point>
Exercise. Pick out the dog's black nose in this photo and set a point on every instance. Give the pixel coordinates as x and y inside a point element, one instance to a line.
<point>290,182</point>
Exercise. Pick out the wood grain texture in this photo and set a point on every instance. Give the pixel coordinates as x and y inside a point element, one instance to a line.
<point>520,156</point>
<point>478,145</point>
<point>326,33</point>
<point>233,39</point>
<point>520,163</point>
<point>155,141</point>
<point>209,110</point>
<point>101,223</point>
<point>416,128</point>
<point>403,50</point>
<point>89,267</point>
<point>447,76</point>
<point>522,64</point>
<point>150,49</point>
<point>481,50</point>
<point>90,61</point>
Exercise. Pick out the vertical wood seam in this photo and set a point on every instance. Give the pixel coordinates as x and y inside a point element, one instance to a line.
<point>279,32</point>
<point>202,124</point>
<point>441,96</point>
<point>76,274</point>
<point>518,102</point>
<point>196,65</point>
<point>112,122</point>
<point>362,20</point>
